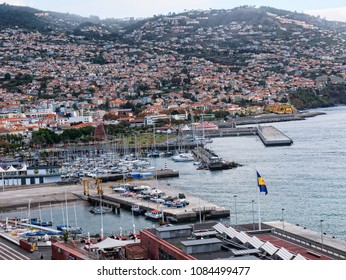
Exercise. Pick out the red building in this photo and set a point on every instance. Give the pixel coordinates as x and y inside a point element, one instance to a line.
<point>159,249</point>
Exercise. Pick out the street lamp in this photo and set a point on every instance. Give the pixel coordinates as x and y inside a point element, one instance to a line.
<point>283,221</point>
<point>235,208</point>
<point>321,235</point>
<point>253,214</point>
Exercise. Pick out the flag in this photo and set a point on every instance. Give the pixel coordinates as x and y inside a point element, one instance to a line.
<point>261,184</point>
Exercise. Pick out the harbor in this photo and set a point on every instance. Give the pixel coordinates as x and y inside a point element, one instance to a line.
<point>221,187</point>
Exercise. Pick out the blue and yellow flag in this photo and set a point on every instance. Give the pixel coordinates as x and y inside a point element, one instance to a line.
<point>261,184</point>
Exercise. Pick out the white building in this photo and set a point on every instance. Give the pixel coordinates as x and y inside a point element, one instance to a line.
<point>21,175</point>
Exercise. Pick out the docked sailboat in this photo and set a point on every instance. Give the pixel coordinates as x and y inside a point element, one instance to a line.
<point>100,209</point>
<point>39,222</point>
<point>69,229</point>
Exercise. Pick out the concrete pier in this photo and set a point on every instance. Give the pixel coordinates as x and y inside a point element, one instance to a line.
<point>271,136</point>
<point>197,208</point>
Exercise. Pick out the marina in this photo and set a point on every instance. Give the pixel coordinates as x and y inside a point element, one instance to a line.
<point>220,187</point>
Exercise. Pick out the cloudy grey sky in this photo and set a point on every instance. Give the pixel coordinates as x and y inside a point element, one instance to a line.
<point>331,10</point>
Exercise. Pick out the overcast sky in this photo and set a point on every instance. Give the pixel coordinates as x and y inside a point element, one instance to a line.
<point>331,10</point>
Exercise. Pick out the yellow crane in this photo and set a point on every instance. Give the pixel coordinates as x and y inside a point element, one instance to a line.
<point>87,185</point>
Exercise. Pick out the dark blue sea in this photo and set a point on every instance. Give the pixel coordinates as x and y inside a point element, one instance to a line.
<point>306,179</point>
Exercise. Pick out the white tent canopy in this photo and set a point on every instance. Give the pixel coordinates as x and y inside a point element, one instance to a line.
<point>112,243</point>
<point>11,168</point>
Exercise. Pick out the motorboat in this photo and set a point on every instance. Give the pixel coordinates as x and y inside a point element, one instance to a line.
<point>121,188</point>
<point>137,210</point>
<point>154,214</point>
<point>183,157</point>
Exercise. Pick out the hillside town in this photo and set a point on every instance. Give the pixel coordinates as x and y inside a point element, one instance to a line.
<point>167,67</point>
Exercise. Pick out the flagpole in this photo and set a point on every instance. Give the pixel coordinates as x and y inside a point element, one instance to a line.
<point>258,203</point>
<point>259,213</point>
<point>262,188</point>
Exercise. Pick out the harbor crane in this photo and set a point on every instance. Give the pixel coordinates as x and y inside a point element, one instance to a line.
<point>97,184</point>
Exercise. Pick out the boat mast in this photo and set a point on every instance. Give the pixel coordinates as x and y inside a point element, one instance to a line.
<point>66,208</point>
<point>63,214</point>
<point>101,216</point>
<point>40,214</point>
<point>75,214</point>
<point>51,212</point>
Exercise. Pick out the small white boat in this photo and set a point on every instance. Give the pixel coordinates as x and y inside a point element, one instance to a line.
<point>120,188</point>
<point>184,157</point>
<point>137,210</point>
<point>154,214</point>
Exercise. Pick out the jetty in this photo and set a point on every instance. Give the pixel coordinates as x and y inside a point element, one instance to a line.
<point>212,161</point>
<point>271,136</point>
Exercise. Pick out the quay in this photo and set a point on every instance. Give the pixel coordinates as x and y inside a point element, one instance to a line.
<point>197,209</point>
<point>271,136</point>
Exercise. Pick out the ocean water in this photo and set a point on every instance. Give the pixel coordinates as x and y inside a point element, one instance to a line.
<point>306,179</point>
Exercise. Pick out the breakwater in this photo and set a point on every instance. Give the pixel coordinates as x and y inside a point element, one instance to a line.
<point>271,136</point>
<point>210,160</point>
